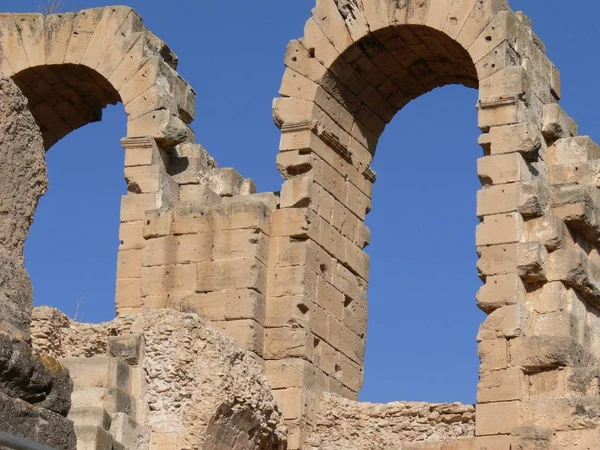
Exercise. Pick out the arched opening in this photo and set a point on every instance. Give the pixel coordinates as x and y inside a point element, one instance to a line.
<point>71,249</point>
<point>422,315</point>
<point>77,220</point>
<point>64,97</point>
<point>374,79</point>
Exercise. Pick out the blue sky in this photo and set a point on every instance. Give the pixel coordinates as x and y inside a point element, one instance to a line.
<point>423,319</point>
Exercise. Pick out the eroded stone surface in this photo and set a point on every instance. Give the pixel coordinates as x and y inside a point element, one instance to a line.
<point>196,379</point>
<point>348,425</point>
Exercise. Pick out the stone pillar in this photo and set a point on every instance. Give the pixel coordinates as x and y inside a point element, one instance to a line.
<point>149,188</point>
<point>35,390</point>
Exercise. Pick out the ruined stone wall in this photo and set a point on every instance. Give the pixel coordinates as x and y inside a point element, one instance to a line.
<point>200,389</point>
<point>286,273</point>
<point>346,424</point>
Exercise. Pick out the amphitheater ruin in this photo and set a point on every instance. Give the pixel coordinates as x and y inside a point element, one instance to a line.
<point>241,315</point>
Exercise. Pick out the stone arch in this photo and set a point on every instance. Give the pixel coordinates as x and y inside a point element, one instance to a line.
<point>358,63</point>
<point>72,65</point>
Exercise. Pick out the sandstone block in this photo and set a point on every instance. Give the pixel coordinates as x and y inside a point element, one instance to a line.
<point>190,218</point>
<point>297,192</point>
<point>129,264</point>
<point>523,138</point>
<point>291,401</point>
<point>237,244</point>
<point>184,249</point>
<point>168,279</point>
<point>508,82</point>
<point>501,169</point>
<point>288,342</point>
<point>496,418</point>
<point>162,125</point>
<point>501,385</point>
<point>586,173</point>
<point>228,305</point>
<point>131,235</point>
<point>128,294</point>
<point>506,322</point>
<point>249,334</point>
<point>497,113</point>
<point>500,290</point>
<point>558,323</point>
<point>247,273</point>
<point>158,224</point>
<point>500,229</point>
<point>290,281</point>
<point>293,222</point>
<point>286,373</point>
<point>573,150</point>
<point>549,230</point>
<point>241,213</point>
<point>134,206</point>
<point>493,354</point>
<point>546,352</point>
<point>556,123</point>
<point>225,182</point>
<point>288,311</point>
<point>529,199</point>
<point>551,297</point>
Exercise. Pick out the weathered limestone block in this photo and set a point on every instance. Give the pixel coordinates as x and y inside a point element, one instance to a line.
<point>521,138</point>
<point>579,207</point>
<point>556,123</point>
<point>585,173</point>
<point>527,259</point>
<point>189,163</point>
<point>574,268</point>
<point>500,290</point>
<point>501,169</point>
<point>203,391</point>
<point>529,199</point>
<point>573,150</point>
<point>226,182</point>
<point>547,352</point>
<point>500,229</point>
<point>549,230</point>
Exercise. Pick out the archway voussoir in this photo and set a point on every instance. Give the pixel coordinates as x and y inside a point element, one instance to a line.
<point>133,60</point>
<point>297,85</point>
<point>299,59</point>
<point>481,15</point>
<point>146,77</point>
<point>329,19</point>
<point>106,32</point>
<point>130,33</point>
<point>503,27</point>
<point>318,44</point>
<point>84,26</point>
<point>154,98</point>
<point>11,44</point>
<point>356,20</point>
<point>497,59</point>
<point>58,29</point>
<point>33,37</point>
<point>376,14</point>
